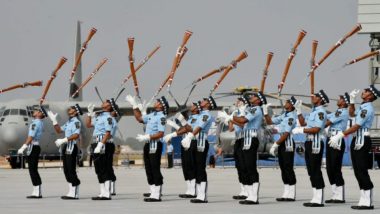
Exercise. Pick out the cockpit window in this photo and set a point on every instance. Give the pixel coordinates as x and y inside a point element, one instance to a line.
<point>23,112</point>
<point>14,112</point>
<point>6,112</point>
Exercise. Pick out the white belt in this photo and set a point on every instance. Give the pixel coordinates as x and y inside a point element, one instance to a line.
<point>99,138</point>
<point>248,135</point>
<point>201,141</point>
<point>360,136</point>
<point>36,143</point>
<point>153,146</point>
<point>316,142</point>
<point>239,135</point>
<point>289,143</point>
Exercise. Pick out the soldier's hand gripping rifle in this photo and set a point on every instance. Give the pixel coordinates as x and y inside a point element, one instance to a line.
<point>231,66</point>
<point>312,64</point>
<point>339,43</point>
<point>132,65</point>
<point>52,77</point>
<point>90,77</point>
<point>292,54</point>
<point>79,57</point>
<point>265,72</point>
<point>24,85</point>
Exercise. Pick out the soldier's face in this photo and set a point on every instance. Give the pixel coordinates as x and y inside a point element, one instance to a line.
<point>340,101</point>
<point>315,100</point>
<point>71,112</point>
<point>288,106</point>
<point>193,109</point>
<point>106,106</point>
<point>254,100</point>
<point>239,103</point>
<point>205,104</point>
<point>38,114</point>
<point>158,106</point>
<point>367,94</point>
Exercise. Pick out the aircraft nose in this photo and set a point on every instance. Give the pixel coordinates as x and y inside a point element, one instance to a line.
<point>9,136</point>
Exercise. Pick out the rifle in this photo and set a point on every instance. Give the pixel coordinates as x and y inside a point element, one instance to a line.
<point>265,71</point>
<point>90,76</point>
<point>26,84</point>
<point>365,56</point>
<point>52,77</point>
<point>312,63</point>
<point>79,57</point>
<point>132,65</point>
<point>340,42</point>
<point>292,54</point>
<point>231,66</point>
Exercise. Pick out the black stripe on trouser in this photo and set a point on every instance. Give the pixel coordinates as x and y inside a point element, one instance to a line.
<point>238,156</point>
<point>334,158</point>
<point>152,163</point>
<point>200,161</point>
<point>361,163</point>
<point>103,163</point>
<point>313,165</point>
<point>188,161</point>
<point>33,165</point>
<point>286,161</point>
<point>69,165</point>
<point>249,164</point>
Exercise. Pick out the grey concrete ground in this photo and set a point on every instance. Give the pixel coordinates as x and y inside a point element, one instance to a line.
<point>131,183</point>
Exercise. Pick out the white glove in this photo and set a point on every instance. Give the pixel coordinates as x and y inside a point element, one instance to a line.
<point>186,141</point>
<point>298,130</point>
<point>132,100</point>
<point>22,149</point>
<point>143,138</point>
<point>298,107</point>
<point>265,108</point>
<point>98,147</point>
<point>334,140</point>
<point>172,124</point>
<point>273,149</point>
<point>181,118</point>
<point>59,142</point>
<point>90,109</point>
<point>53,117</point>
<point>353,95</point>
<point>168,137</point>
<point>144,107</point>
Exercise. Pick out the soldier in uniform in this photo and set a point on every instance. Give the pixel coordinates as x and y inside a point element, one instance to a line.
<point>287,121</point>
<point>103,153</point>
<point>200,133</point>
<point>361,143</point>
<point>315,124</point>
<point>188,151</point>
<point>337,121</point>
<point>155,128</point>
<point>69,148</point>
<point>33,150</point>
<point>251,122</point>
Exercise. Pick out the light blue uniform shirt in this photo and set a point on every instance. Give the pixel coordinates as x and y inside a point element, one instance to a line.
<point>102,123</point>
<point>237,128</point>
<point>35,130</point>
<point>155,122</point>
<point>193,120</point>
<point>317,118</point>
<point>204,121</point>
<point>365,115</point>
<point>71,127</point>
<point>254,115</point>
<point>114,127</point>
<point>339,119</point>
<point>286,122</point>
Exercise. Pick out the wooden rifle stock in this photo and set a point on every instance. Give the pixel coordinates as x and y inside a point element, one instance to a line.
<point>132,65</point>
<point>265,72</point>
<point>90,77</point>
<point>52,77</point>
<point>26,84</point>
<point>301,35</point>
<point>233,65</point>
<point>312,63</point>
<point>365,56</point>
<point>356,29</point>
<point>79,57</point>
<point>219,70</point>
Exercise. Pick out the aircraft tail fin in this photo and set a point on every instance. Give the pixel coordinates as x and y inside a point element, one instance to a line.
<point>77,80</point>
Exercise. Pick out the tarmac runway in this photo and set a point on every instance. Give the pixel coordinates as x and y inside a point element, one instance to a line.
<point>131,183</point>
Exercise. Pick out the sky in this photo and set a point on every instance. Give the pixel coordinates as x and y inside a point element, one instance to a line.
<point>36,33</point>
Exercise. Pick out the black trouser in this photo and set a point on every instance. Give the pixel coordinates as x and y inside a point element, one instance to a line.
<point>200,164</point>
<point>334,158</point>
<point>69,165</point>
<point>170,160</point>
<point>33,165</point>
<point>188,161</point>
<point>313,165</point>
<point>238,156</point>
<point>152,163</point>
<point>286,161</point>
<point>360,163</point>
<point>103,163</point>
<point>249,163</point>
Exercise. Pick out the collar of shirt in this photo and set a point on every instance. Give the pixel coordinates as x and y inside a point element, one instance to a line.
<point>367,104</point>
